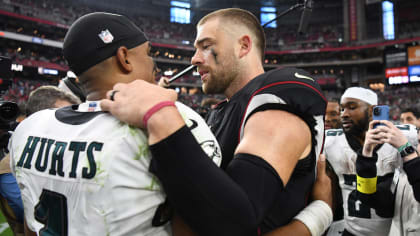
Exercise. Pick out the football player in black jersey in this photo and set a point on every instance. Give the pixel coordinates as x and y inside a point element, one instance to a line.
<point>270,129</point>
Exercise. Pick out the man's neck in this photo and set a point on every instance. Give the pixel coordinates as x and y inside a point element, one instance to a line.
<point>361,138</point>
<point>94,93</point>
<point>356,141</point>
<point>94,96</point>
<point>97,93</point>
<point>242,81</point>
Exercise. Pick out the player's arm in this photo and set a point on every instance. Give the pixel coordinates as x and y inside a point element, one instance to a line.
<point>233,203</point>
<point>412,168</point>
<point>389,133</point>
<point>278,138</point>
<point>322,190</point>
<point>211,201</point>
<point>367,179</point>
<point>412,162</point>
<point>372,193</point>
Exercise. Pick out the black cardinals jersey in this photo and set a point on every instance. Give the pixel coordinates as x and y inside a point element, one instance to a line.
<point>289,89</point>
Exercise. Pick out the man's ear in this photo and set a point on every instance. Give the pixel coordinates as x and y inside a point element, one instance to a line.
<point>122,59</point>
<point>245,43</point>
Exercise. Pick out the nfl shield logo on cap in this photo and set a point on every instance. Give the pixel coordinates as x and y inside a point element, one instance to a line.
<point>106,36</point>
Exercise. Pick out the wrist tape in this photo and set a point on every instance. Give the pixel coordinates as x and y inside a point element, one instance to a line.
<point>317,217</point>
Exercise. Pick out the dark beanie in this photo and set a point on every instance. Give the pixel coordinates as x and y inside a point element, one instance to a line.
<point>96,36</point>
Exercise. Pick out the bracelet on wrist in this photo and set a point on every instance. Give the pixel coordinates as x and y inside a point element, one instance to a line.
<point>402,147</point>
<point>155,109</point>
<point>406,150</point>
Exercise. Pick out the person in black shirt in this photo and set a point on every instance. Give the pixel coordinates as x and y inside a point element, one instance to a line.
<point>270,129</point>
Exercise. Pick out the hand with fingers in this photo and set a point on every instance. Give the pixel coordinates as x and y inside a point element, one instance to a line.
<point>163,82</point>
<point>372,138</point>
<point>385,133</point>
<point>392,134</point>
<point>322,189</point>
<point>130,102</point>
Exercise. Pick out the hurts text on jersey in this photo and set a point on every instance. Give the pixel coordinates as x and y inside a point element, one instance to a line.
<point>50,153</point>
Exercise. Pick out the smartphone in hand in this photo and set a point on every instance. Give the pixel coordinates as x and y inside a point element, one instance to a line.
<point>380,113</point>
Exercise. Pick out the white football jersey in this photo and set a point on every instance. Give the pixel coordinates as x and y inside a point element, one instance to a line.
<point>407,210</point>
<point>360,219</point>
<point>83,172</point>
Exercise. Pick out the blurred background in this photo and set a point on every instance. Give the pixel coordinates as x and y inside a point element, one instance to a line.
<point>369,43</point>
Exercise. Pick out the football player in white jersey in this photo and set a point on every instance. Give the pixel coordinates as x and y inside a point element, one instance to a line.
<point>406,178</point>
<point>341,148</point>
<point>80,170</point>
<point>246,196</point>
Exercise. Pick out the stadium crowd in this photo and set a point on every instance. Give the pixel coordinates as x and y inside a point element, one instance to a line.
<point>234,149</point>
<point>62,13</point>
<point>398,98</point>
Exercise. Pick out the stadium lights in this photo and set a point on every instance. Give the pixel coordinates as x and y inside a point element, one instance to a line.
<point>168,73</point>
<point>17,67</point>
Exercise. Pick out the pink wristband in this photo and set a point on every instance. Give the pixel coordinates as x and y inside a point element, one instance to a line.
<point>154,109</point>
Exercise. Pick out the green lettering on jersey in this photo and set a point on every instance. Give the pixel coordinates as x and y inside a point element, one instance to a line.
<point>41,150</point>
<point>57,159</point>
<point>403,127</point>
<point>28,152</point>
<point>38,164</point>
<point>76,147</point>
<point>89,173</point>
<point>334,132</point>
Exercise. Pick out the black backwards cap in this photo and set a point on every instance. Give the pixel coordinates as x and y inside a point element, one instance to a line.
<point>96,36</point>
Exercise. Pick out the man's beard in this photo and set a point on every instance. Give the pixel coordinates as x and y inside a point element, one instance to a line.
<point>217,84</point>
<point>359,129</point>
<point>222,79</point>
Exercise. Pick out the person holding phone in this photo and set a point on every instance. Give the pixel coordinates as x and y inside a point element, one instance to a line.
<point>380,113</point>
<point>341,149</point>
<point>406,177</point>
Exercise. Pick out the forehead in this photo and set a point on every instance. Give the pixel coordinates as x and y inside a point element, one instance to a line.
<point>208,30</point>
<point>407,114</point>
<point>333,106</point>
<point>351,101</point>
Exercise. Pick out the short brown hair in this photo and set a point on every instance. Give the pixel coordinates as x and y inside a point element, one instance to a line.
<point>44,97</point>
<point>243,17</point>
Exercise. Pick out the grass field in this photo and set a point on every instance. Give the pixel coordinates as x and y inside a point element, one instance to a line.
<point>4,227</point>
